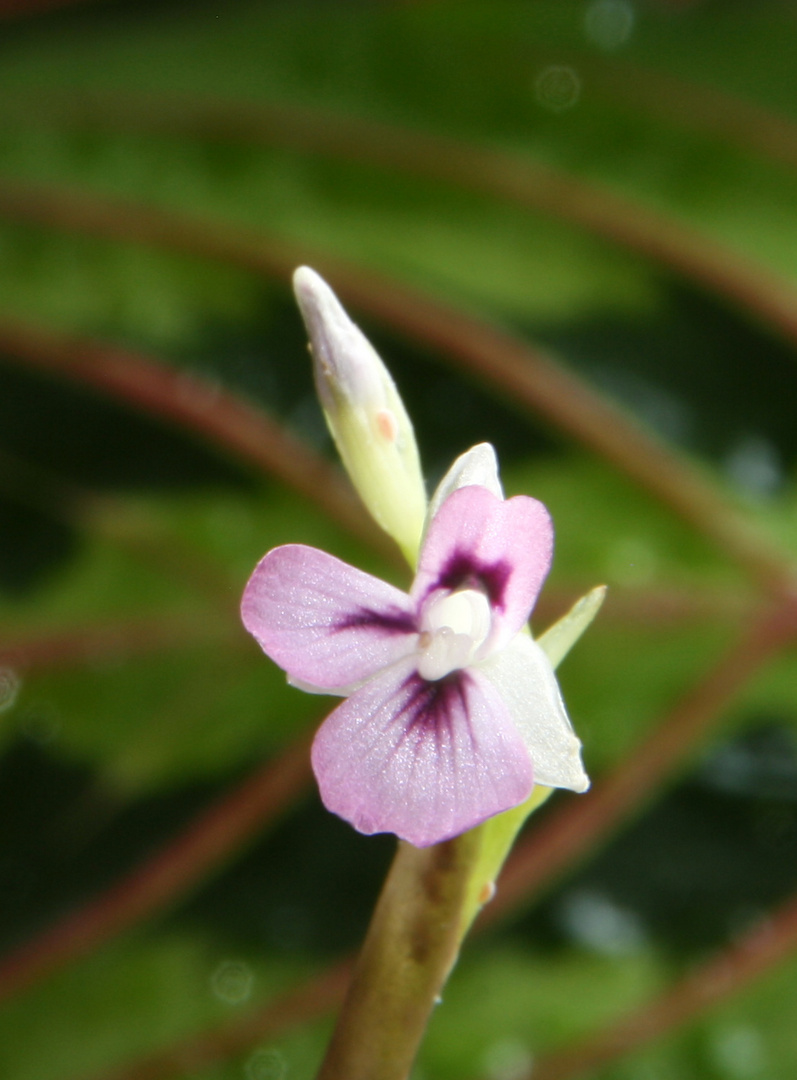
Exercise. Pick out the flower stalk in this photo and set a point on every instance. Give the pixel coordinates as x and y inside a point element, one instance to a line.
<point>411,946</point>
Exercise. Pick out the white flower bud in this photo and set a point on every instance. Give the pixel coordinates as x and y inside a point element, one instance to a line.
<point>365,414</point>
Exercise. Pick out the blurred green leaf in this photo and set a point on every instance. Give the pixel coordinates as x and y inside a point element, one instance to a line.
<point>503,1009</point>
<point>471,69</point>
<point>114,288</point>
<point>608,529</point>
<point>132,999</point>
<point>750,1036</point>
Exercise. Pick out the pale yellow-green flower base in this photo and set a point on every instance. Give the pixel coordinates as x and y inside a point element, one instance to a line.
<point>497,835</point>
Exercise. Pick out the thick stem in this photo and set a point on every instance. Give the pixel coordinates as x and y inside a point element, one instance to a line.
<point>410,948</point>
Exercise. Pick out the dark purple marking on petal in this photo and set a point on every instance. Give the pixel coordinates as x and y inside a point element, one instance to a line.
<point>395,621</point>
<point>424,760</point>
<point>430,703</point>
<point>503,548</point>
<point>464,571</point>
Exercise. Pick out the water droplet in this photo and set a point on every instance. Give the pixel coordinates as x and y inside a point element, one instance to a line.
<point>232,982</point>
<point>608,23</point>
<point>9,688</point>
<point>266,1065</point>
<point>557,87</point>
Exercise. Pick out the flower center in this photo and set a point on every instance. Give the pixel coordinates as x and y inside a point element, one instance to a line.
<point>453,628</point>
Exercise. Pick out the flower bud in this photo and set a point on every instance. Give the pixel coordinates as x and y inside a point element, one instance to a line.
<point>365,414</point>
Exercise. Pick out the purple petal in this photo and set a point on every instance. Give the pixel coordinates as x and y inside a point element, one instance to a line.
<point>423,760</point>
<point>324,622</point>
<point>476,540</point>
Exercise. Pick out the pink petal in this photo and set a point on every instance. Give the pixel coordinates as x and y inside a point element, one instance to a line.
<point>476,540</point>
<point>324,622</point>
<point>423,760</point>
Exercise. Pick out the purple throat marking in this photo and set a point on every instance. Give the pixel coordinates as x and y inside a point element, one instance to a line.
<point>428,706</point>
<point>463,571</point>
<point>396,621</point>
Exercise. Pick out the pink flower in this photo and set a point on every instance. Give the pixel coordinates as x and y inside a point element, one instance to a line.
<point>452,711</point>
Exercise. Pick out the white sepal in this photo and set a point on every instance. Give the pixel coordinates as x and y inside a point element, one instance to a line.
<point>525,679</point>
<point>478,465</point>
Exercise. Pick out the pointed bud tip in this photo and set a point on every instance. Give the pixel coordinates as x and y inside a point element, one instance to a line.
<point>333,336</point>
<point>307,281</point>
<point>364,413</point>
<point>313,295</point>
<point>316,297</point>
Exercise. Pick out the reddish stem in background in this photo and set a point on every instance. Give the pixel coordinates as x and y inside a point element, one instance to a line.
<point>708,110</point>
<point>526,375</point>
<point>112,639</point>
<point>213,838</point>
<point>197,403</point>
<point>508,176</point>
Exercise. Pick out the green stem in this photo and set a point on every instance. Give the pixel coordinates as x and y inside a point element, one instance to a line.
<point>429,900</point>
<point>411,946</point>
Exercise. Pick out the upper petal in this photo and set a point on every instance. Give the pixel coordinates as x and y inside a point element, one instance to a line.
<point>525,679</point>
<point>476,540</point>
<point>423,760</point>
<point>325,622</point>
